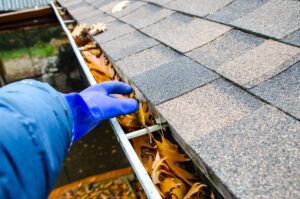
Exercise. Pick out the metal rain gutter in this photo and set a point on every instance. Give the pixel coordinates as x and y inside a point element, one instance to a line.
<point>123,138</point>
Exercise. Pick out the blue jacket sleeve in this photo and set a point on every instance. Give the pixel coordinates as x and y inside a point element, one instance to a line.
<point>35,134</point>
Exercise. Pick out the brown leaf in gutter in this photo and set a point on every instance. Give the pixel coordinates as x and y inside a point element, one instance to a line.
<point>99,77</point>
<point>173,158</point>
<point>144,114</point>
<point>141,114</point>
<point>104,190</point>
<point>78,30</point>
<point>196,192</point>
<point>129,122</point>
<point>81,40</point>
<point>99,63</point>
<point>145,151</point>
<point>180,190</point>
<point>95,52</point>
<point>173,188</point>
<point>160,170</point>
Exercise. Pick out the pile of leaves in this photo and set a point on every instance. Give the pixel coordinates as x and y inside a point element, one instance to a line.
<point>162,158</point>
<point>165,165</point>
<point>116,189</point>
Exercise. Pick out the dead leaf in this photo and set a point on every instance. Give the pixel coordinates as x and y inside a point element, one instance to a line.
<point>144,151</point>
<point>95,52</point>
<point>120,6</point>
<point>144,114</point>
<point>98,28</point>
<point>167,185</point>
<point>195,189</point>
<point>173,188</point>
<point>99,77</point>
<point>160,170</point>
<point>173,157</point>
<point>141,114</point>
<point>78,30</point>
<point>99,63</point>
<point>180,190</point>
<point>129,122</point>
<point>104,190</point>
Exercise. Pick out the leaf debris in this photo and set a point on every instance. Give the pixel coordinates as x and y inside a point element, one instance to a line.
<point>98,28</point>
<point>120,6</point>
<point>112,189</point>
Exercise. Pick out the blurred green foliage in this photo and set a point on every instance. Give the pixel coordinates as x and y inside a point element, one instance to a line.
<point>40,50</point>
<point>19,39</point>
<point>34,42</point>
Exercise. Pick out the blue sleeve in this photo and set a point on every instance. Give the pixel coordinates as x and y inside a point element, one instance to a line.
<point>35,134</point>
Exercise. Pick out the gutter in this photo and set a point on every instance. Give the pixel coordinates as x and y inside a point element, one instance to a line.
<point>123,138</point>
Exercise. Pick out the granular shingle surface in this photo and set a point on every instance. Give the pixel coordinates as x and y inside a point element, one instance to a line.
<point>198,7</point>
<point>91,1</point>
<point>89,14</point>
<point>293,38</point>
<point>104,4</point>
<point>225,48</point>
<point>74,4</point>
<point>208,108</point>
<point>172,79</point>
<point>255,154</point>
<point>127,45</point>
<point>259,64</point>
<point>146,15</point>
<point>81,10</point>
<point>185,33</point>
<point>108,6</point>
<point>147,60</point>
<point>276,18</point>
<point>283,90</point>
<point>236,10</point>
<point>114,30</point>
<point>159,2</point>
<point>100,18</point>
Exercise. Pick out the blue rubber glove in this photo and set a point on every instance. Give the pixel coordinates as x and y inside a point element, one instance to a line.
<point>95,104</point>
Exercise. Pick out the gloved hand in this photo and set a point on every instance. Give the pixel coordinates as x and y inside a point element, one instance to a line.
<point>95,104</point>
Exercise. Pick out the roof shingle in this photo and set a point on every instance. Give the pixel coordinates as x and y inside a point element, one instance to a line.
<point>185,33</point>
<point>127,45</point>
<point>276,18</point>
<point>172,79</point>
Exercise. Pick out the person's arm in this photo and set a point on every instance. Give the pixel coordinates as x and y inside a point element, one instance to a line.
<point>35,133</point>
<point>37,126</point>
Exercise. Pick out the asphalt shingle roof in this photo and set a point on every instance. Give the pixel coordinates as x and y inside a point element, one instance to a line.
<point>236,10</point>
<point>225,75</point>
<point>197,7</point>
<point>115,30</point>
<point>146,15</point>
<point>276,18</point>
<point>171,80</point>
<point>184,33</point>
<point>147,60</point>
<point>127,45</point>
